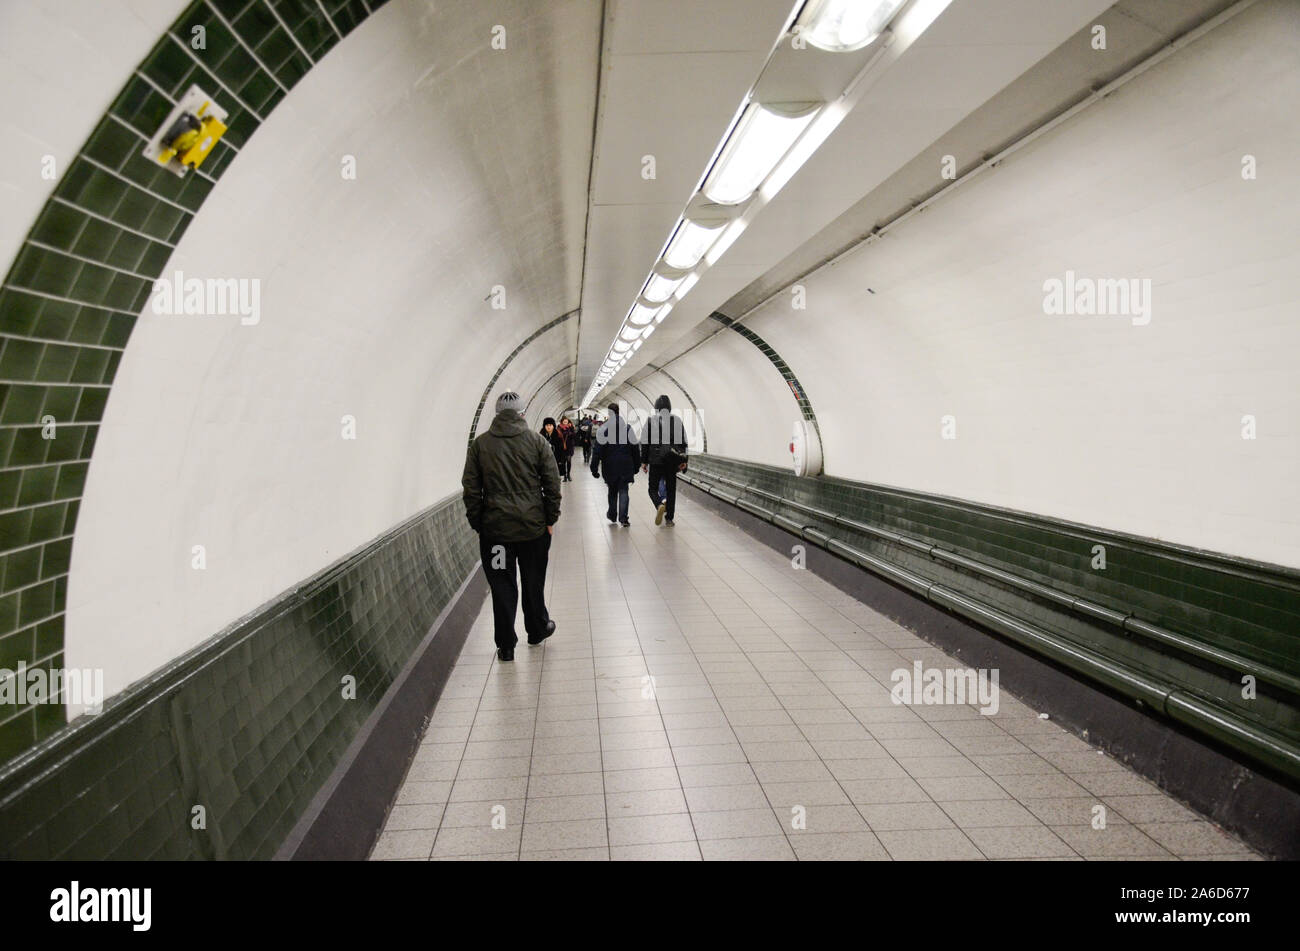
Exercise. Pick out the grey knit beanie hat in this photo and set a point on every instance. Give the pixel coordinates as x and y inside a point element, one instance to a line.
<point>510,400</point>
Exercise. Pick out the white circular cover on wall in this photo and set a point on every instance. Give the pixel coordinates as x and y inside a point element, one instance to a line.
<point>806,448</point>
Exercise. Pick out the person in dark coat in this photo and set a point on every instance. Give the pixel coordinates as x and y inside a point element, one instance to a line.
<point>512,500</point>
<point>554,437</point>
<point>663,455</point>
<point>569,434</point>
<point>617,453</point>
<point>585,428</point>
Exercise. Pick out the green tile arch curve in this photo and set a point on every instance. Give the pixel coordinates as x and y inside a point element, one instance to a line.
<point>792,381</point>
<point>704,432</point>
<point>84,272</point>
<point>537,392</point>
<point>487,390</point>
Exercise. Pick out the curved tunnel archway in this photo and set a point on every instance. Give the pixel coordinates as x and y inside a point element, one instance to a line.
<point>406,199</point>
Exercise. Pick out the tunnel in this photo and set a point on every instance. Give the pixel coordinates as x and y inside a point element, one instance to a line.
<point>979,540</point>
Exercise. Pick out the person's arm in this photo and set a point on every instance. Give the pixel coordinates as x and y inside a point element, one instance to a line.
<point>679,442</point>
<point>597,447</point>
<point>471,481</point>
<point>645,441</point>
<point>550,475</point>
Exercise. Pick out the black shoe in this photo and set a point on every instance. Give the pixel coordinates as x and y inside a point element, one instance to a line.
<point>505,653</point>
<point>668,521</point>
<point>626,524</point>
<point>550,629</point>
<point>611,518</point>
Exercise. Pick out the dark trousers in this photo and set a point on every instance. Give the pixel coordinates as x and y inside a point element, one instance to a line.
<point>618,497</point>
<point>566,466</point>
<point>586,453</point>
<point>669,476</point>
<point>499,561</point>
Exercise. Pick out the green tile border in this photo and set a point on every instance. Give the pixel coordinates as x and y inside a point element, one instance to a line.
<point>248,725</point>
<point>487,390</point>
<point>86,270</point>
<point>796,388</point>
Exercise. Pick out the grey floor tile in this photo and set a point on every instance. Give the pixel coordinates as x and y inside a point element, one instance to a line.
<point>649,829</point>
<point>657,852</point>
<point>644,802</point>
<point>839,847</point>
<point>928,845</point>
<point>735,823</point>
<point>768,848</point>
<point>410,844</point>
<point>565,834</point>
<point>560,808</point>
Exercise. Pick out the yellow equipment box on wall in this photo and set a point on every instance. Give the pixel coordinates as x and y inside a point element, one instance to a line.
<point>190,133</point>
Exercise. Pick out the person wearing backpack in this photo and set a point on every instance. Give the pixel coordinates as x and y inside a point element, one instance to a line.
<point>663,455</point>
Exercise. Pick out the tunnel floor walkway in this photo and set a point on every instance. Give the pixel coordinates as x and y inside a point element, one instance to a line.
<point>702,698</point>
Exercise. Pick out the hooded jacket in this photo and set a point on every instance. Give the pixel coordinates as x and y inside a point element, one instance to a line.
<point>511,482</point>
<point>663,440</point>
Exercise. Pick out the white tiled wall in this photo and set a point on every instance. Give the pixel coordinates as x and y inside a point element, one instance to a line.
<point>373,306</point>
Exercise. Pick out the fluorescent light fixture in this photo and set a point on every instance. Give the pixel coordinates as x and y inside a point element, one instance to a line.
<point>617,346</point>
<point>690,241</point>
<point>648,331</point>
<point>637,346</point>
<point>659,288</point>
<point>762,136</point>
<point>841,26</point>
<point>629,333</point>
<point>690,281</point>
<point>727,239</point>
<point>641,315</point>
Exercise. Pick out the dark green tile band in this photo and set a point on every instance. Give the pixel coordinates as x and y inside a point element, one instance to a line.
<point>86,270</point>
<point>248,725</point>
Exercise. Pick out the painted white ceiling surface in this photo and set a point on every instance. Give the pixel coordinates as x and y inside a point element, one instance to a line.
<point>968,54</point>
<point>472,171</point>
<point>673,74</point>
<point>49,109</point>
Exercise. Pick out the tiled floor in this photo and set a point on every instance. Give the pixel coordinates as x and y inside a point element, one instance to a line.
<point>702,698</point>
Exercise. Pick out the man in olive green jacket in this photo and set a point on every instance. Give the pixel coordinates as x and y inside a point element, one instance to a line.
<point>512,499</point>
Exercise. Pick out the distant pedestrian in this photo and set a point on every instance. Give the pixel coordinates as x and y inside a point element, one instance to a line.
<point>569,433</point>
<point>555,439</point>
<point>663,455</point>
<point>617,453</point>
<point>512,499</point>
<point>586,426</point>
